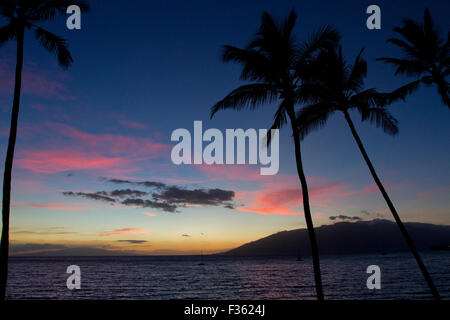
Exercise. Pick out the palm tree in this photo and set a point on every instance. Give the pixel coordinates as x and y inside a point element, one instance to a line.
<point>341,89</point>
<point>426,55</point>
<point>275,65</point>
<point>25,15</point>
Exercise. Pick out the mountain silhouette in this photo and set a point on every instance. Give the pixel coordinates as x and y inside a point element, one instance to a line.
<point>375,236</point>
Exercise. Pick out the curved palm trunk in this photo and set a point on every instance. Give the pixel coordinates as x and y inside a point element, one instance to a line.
<point>307,210</point>
<point>6,204</point>
<point>402,228</point>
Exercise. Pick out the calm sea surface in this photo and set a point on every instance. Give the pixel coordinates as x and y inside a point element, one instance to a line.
<point>344,277</point>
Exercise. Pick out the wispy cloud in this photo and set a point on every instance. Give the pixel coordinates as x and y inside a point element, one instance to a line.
<point>102,152</point>
<point>28,248</point>
<point>150,214</point>
<point>133,241</point>
<point>99,196</point>
<point>44,231</point>
<point>36,81</point>
<point>133,124</point>
<point>124,231</point>
<point>53,161</point>
<point>59,206</point>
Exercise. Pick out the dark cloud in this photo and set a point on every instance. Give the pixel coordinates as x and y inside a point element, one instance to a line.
<point>164,197</point>
<point>43,232</point>
<point>208,197</point>
<point>133,241</point>
<point>107,196</point>
<point>145,203</point>
<point>127,193</point>
<point>99,196</point>
<point>148,184</point>
<point>343,217</point>
<point>26,247</point>
<point>186,235</point>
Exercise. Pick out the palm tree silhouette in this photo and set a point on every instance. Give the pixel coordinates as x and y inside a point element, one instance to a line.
<point>275,65</point>
<point>25,15</point>
<point>339,87</point>
<point>426,55</point>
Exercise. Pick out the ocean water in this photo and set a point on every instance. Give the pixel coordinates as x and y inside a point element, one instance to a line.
<point>181,277</point>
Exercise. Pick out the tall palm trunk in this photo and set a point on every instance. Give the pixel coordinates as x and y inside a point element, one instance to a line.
<point>402,228</point>
<point>6,204</point>
<point>306,208</point>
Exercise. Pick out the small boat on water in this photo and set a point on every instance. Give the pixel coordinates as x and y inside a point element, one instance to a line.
<point>201,259</point>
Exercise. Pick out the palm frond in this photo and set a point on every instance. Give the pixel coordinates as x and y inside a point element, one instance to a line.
<point>247,96</point>
<point>289,24</point>
<point>431,34</point>
<point>444,91</point>
<point>405,66</point>
<point>7,8</point>
<point>313,92</point>
<point>7,33</point>
<point>44,10</point>
<point>413,32</point>
<point>381,118</point>
<point>367,99</point>
<point>268,36</point>
<point>279,120</point>
<point>325,37</point>
<point>445,52</point>
<point>357,74</point>
<point>55,45</point>
<point>312,117</point>
<point>255,65</point>
<point>411,51</point>
<point>402,92</point>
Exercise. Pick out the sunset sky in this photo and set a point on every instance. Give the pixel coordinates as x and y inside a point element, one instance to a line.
<point>145,68</point>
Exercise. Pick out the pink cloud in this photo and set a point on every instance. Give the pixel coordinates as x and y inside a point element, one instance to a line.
<point>426,194</point>
<point>39,107</point>
<point>283,196</point>
<point>252,173</point>
<point>53,207</point>
<point>112,143</point>
<point>229,172</point>
<point>270,210</point>
<point>29,186</point>
<point>372,188</point>
<point>149,214</point>
<point>116,153</point>
<point>35,81</point>
<point>4,131</point>
<point>133,124</point>
<point>52,161</point>
<point>58,206</point>
<point>124,231</point>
